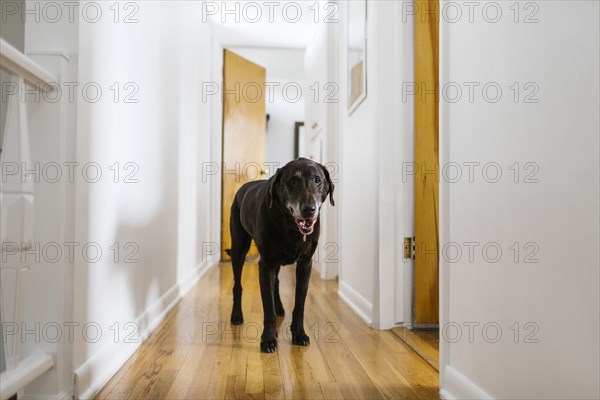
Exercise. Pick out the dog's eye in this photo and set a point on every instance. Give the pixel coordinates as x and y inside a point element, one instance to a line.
<point>317,179</point>
<point>292,182</point>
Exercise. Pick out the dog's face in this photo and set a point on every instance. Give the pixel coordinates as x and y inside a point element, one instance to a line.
<point>301,187</point>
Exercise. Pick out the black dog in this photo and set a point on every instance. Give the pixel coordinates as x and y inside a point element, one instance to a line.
<point>282,216</point>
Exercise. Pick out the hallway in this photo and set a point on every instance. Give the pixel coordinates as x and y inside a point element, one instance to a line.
<point>195,354</point>
<point>456,188</point>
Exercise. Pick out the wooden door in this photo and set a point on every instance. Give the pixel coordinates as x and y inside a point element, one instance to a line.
<point>426,275</point>
<point>244,133</point>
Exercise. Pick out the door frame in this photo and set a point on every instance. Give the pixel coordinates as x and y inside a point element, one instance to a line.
<point>237,67</point>
<point>406,189</point>
<point>444,203</point>
<point>216,145</point>
<point>392,301</point>
<point>396,196</point>
<point>405,206</point>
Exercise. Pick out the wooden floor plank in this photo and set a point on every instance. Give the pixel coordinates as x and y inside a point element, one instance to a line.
<point>255,384</point>
<point>203,372</point>
<point>195,353</point>
<point>331,390</point>
<point>425,343</point>
<point>186,374</point>
<point>292,387</point>
<point>309,380</point>
<point>272,376</point>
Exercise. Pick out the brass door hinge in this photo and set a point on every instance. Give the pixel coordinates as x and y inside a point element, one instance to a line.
<point>409,248</point>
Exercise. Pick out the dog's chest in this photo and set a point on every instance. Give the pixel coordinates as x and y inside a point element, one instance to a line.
<point>287,253</point>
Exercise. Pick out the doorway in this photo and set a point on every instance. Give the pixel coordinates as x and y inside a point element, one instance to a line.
<point>426,276</point>
<point>278,116</point>
<point>421,330</point>
<point>244,134</point>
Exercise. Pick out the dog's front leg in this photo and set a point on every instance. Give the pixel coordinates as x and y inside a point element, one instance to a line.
<point>279,311</point>
<point>303,268</point>
<point>268,340</point>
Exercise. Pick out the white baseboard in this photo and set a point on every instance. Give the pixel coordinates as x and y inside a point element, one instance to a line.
<point>326,271</point>
<point>95,372</point>
<point>60,396</point>
<point>361,306</point>
<point>330,271</point>
<point>458,386</point>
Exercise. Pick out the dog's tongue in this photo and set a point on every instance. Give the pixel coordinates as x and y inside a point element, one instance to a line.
<point>305,225</point>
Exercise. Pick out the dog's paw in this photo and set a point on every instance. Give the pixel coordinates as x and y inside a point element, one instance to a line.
<point>268,345</point>
<point>300,338</point>
<point>237,318</point>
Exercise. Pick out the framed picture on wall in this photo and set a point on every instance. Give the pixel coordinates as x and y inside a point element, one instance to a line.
<point>357,53</point>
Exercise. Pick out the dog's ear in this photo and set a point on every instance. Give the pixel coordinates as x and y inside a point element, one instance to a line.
<point>274,180</point>
<point>329,185</point>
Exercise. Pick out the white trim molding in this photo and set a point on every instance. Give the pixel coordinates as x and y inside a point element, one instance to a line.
<point>388,141</point>
<point>361,306</point>
<point>458,386</point>
<point>444,204</point>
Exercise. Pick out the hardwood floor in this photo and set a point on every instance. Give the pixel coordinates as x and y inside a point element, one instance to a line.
<point>425,342</point>
<point>196,354</point>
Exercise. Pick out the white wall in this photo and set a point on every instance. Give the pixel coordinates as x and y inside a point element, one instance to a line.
<point>321,141</point>
<point>280,63</point>
<point>284,111</point>
<point>358,189</point>
<point>284,102</point>
<point>166,215</point>
<point>317,62</point>
<point>558,214</point>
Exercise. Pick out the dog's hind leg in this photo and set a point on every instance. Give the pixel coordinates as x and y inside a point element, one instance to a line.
<point>279,311</point>
<point>240,244</point>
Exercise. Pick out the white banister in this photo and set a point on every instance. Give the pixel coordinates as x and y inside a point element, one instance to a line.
<point>24,373</point>
<point>19,64</point>
<point>16,209</point>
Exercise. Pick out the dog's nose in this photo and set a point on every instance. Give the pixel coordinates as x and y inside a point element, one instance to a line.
<point>308,210</point>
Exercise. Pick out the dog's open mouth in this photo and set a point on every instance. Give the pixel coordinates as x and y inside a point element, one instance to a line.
<point>306,225</point>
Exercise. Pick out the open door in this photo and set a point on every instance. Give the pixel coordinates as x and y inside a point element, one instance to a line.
<point>244,134</point>
<point>426,275</point>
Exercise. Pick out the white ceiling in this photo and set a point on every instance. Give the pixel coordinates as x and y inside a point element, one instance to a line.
<point>233,24</point>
